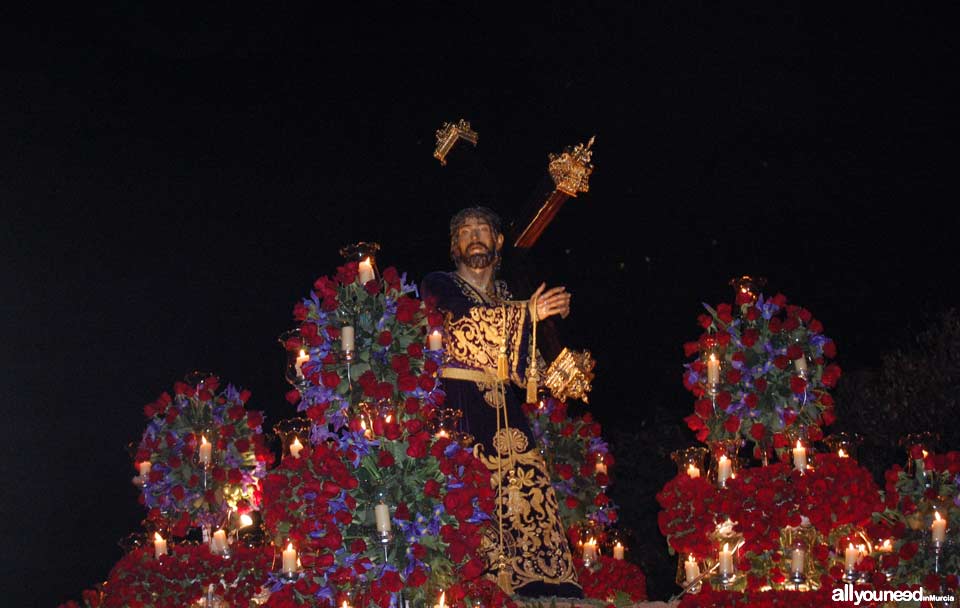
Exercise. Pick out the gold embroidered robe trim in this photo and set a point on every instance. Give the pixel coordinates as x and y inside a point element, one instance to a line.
<point>535,549</point>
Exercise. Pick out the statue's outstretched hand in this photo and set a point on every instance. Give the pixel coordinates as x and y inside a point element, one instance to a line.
<point>553,301</point>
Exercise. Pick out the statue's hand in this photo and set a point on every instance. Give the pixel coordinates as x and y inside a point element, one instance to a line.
<point>549,302</point>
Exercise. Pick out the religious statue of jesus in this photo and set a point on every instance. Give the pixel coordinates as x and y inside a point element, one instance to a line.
<point>488,341</point>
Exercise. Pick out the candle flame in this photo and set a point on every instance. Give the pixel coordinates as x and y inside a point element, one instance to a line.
<point>841,453</point>
<point>290,546</point>
<point>203,440</point>
<point>156,537</point>
<point>345,604</point>
<point>245,520</point>
<point>690,559</point>
<point>887,545</point>
<point>925,453</point>
<point>442,433</point>
<point>723,458</point>
<point>443,597</point>
<point>303,353</point>
<point>799,445</point>
<point>937,516</point>
<point>851,547</point>
<point>296,443</point>
<point>713,358</point>
<point>726,547</point>
<point>389,417</point>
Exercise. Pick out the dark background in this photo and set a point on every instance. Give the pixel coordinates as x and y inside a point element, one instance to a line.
<point>173,181</point>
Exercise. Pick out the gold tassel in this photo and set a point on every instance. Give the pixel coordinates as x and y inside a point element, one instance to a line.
<point>532,387</point>
<point>532,368</point>
<point>503,576</point>
<point>503,367</point>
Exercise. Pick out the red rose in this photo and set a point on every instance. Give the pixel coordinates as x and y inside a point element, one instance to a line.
<point>690,348</point>
<point>749,337</point>
<point>781,362</point>
<point>705,321</point>
<point>330,379</point>
<point>177,492</point>
<point>254,419</point>
<point>732,424</point>
<point>758,431</point>
<point>753,314</point>
<point>427,382</point>
<point>235,476</point>
<point>385,338</point>
<point>400,364</point>
<point>703,408</point>
<point>385,459</point>
<point>760,384</point>
<point>725,313</point>
<point>908,550</point>
<point>723,400</point>
<point>798,385</point>
<point>416,578</point>
<point>733,376</point>
<point>392,278</point>
<point>751,400</point>
<point>830,375</point>
<point>415,349</point>
<point>829,349</point>
<point>794,352</point>
<point>372,287</point>
<point>774,325</point>
<point>407,383</point>
<point>431,488</point>
<point>571,502</point>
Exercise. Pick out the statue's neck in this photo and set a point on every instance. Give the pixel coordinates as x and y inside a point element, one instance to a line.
<point>480,279</point>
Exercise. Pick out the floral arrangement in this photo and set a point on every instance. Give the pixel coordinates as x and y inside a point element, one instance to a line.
<point>910,502</point>
<point>572,448</point>
<point>391,363</point>
<point>183,577</point>
<point>373,442</point>
<point>180,491</point>
<point>773,375</point>
<point>834,497</point>
<point>617,582</point>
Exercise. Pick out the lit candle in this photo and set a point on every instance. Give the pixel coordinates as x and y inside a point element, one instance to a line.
<point>145,469</point>
<point>601,466</point>
<point>590,551</point>
<point>850,557</point>
<point>713,370</point>
<point>801,366</point>
<point>724,470</point>
<point>219,542</point>
<point>302,358</point>
<point>693,471</point>
<point>618,551</point>
<point>435,340</point>
<point>159,545</point>
<point>295,447</point>
<point>365,271</point>
<point>245,520</point>
<point>797,558</point>
<point>347,335</point>
<point>726,560</point>
<point>841,453</point>
<point>206,451</point>
<point>382,514</point>
<point>442,604</point>
<point>289,560</point>
<point>691,569</point>
<point>886,547</point>
<point>938,529</point>
<point>800,457</point>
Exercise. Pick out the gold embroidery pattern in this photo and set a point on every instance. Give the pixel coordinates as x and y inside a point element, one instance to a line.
<point>535,548</point>
<point>474,340</point>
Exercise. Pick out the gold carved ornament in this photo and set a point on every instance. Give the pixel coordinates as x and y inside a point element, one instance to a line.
<point>571,169</point>
<point>570,375</point>
<point>449,134</point>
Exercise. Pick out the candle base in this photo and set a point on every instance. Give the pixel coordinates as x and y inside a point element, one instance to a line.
<point>288,577</point>
<point>850,576</point>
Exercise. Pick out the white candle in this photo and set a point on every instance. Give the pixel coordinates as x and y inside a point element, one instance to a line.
<point>302,358</point>
<point>850,557</point>
<point>618,551</point>
<point>365,271</point>
<point>159,545</point>
<point>289,560</point>
<point>693,471</point>
<point>691,569</point>
<point>145,469</point>
<point>295,447</point>
<point>713,370</point>
<point>797,558</point>
<point>724,470</point>
<point>801,366</point>
<point>590,551</point>
<point>601,465</point>
<point>382,514</point>
<point>726,560</point>
<point>435,340</point>
<point>218,544</point>
<point>442,604</point>
<point>800,457</point>
<point>347,335</point>
<point>206,451</point>
<point>938,529</point>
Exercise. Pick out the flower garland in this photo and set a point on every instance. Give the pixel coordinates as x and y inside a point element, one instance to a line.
<point>835,497</point>
<point>573,447</point>
<point>391,362</point>
<point>615,581</point>
<point>179,490</point>
<point>184,576</point>
<point>909,505</point>
<point>773,373</point>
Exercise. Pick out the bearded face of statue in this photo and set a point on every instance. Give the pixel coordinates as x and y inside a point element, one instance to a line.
<point>475,243</point>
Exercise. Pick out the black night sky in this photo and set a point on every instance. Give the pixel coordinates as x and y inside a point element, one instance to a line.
<point>173,181</point>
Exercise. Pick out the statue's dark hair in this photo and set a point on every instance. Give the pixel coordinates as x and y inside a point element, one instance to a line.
<point>483,213</point>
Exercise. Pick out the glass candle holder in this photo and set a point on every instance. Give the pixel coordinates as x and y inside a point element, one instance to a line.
<point>724,462</point>
<point>844,445</point>
<point>850,549</point>
<point>689,570</point>
<point>366,255</point>
<point>800,452</point>
<point>690,461</point>
<point>796,543</point>
<point>712,358</point>
<point>294,435</point>
<point>917,446</point>
<point>295,356</point>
